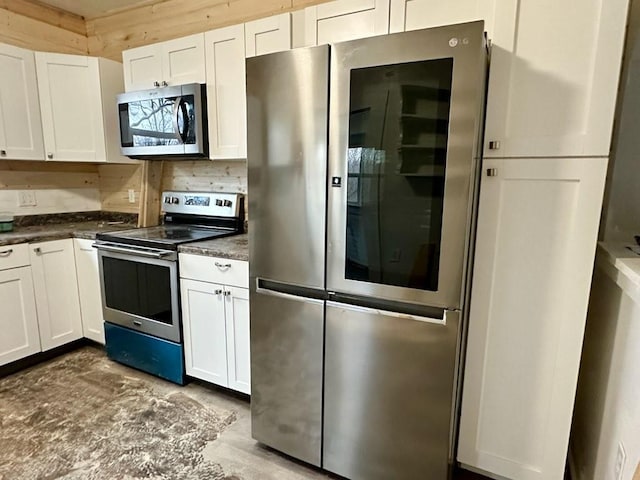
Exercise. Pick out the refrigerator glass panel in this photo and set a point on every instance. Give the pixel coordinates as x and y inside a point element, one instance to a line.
<point>396,162</point>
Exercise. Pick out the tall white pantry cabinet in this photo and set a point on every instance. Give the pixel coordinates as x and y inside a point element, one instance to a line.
<point>550,107</point>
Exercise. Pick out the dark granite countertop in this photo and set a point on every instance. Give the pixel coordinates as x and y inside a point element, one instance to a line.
<point>235,247</point>
<point>56,226</point>
<point>57,231</point>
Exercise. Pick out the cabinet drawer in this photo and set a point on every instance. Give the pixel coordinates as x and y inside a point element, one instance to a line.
<point>214,269</point>
<point>12,256</point>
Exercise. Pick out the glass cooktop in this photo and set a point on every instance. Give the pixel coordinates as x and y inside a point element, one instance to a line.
<point>164,236</point>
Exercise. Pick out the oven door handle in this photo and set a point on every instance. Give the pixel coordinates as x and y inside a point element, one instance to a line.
<point>130,251</point>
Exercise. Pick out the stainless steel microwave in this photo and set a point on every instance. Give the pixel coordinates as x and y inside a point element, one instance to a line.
<point>168,121</point>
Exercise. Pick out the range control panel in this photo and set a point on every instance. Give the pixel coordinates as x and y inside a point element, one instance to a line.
<point>202,203</point>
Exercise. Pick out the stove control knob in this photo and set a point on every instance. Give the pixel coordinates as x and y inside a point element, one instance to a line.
<point>218,203</point>
<point>227,203</point>
<point>175,200</point>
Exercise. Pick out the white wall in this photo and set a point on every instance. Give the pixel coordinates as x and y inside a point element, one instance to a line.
<point>607,409</point>
<point>622,208</point>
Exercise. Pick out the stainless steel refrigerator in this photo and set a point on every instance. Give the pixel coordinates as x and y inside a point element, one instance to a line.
<point>362,160</point>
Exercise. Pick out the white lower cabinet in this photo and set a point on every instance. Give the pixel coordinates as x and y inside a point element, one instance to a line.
<point>215,320</point>
<point>56,290</point>
<point>18,319</point>
<point>89,289</point>
<point>536,239</point>
<point>237,323</point>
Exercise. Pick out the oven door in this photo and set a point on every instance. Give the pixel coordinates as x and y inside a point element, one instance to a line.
<point>140,289</point>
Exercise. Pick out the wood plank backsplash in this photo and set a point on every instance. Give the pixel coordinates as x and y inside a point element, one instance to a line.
<point>58,187</point>
<point>115,183</point>
<point>205,175</point>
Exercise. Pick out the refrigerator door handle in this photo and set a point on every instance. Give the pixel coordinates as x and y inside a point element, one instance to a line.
<point>419,318</point>
<point>261,288</point>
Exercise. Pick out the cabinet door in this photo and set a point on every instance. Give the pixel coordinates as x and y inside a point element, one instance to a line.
<point>226,92</point>
<point>204,328</point>
<point>183,60</point>
<point>408,15</point>
<point>238,357</point>
<point>268,35</point>
<point>344,20</point>
<point>89,289</point>
<point>142,67</point>
<point>554,94</point>
<point>537,229</point>
<point>56,288</point>
<point>71,107</point>
<point>18,321</point>
<point>20,122</point>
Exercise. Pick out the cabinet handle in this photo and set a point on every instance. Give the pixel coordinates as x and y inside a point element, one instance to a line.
<point>494,145</point>
<point>227,293</point>
<point>492,172</point>
<point>156,84</point>
<point>222,265</point>
<point>164,83</point>
<point>3,152</point>
<point>6,253</point>
<point>38,250</point>
<point>49,156</point>
<point>218,292</point>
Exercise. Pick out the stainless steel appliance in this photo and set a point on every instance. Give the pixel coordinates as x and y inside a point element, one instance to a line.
<point>168,121</point>
<point>140,282</point>
<point>359,246</point>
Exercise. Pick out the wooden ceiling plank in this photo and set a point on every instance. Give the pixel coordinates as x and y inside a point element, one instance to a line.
<point>27,32</point>
<point>47,14</point>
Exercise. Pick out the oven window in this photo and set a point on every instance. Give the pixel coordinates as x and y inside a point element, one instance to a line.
<point>138,288</point>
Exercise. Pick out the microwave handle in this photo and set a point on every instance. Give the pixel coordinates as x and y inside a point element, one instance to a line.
<point>180,103</point>
<point>176,112</point>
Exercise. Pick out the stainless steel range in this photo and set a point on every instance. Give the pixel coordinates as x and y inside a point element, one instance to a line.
<point>140,280</point>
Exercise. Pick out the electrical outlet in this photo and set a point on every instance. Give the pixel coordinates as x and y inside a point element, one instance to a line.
<point>621,456</point>
<point>27,198</point>
<point>132,195</point>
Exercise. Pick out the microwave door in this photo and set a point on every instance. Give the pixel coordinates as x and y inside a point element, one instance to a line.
<point>405,116</point>
<point>151,126</point>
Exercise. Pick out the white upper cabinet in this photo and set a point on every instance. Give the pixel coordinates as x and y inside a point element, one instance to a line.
<point>268,35</point>
<point>77,103</point>
<point>536,239</point>
<point>408,15</point>
<point>344,20</point>
<point>554,77</point>
<point>226,92</point>
<point>173,62</point>
<point>20,123</point>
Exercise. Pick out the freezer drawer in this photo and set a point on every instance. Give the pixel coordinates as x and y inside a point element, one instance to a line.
<point>389,386</point>
<point>286,373</point>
